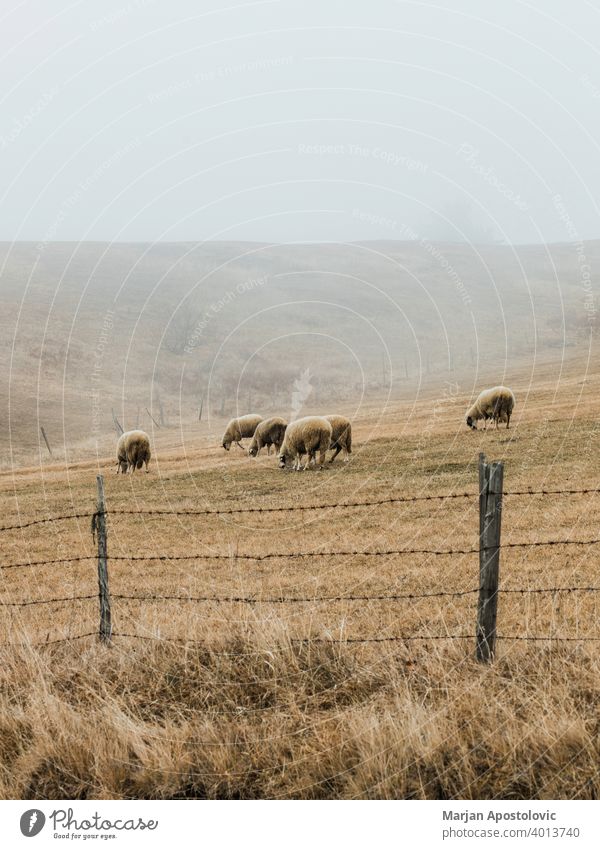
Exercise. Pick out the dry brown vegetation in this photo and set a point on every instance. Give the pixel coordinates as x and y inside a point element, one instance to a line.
<point>250,713</point>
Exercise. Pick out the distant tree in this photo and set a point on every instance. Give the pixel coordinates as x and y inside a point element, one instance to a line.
<point>186,331</point>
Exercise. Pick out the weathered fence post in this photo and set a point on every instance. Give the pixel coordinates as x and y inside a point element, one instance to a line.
<point>152,417</point>
<point>104,594</point>
<point>117,424</point>
<point>490,518</point>
<point>46,440</point>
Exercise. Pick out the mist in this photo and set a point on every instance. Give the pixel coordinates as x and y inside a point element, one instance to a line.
<point>286,122</point>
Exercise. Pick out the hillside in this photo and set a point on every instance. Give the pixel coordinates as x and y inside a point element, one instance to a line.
<point>151,330</point>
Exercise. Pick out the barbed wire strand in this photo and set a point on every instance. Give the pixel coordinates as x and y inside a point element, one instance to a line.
<point>299,599</point>
<point>33,522</point>
<point>340,598</point>
<point>227,511</point>
<point>348,553</point>
<point>342,504</point>
<point>27,563</point>
<point>366,640</point>
<point>42,643</point>
<point>287,555</point>
<point>292,599</point>
<point>30,602</point>
<point>305,639</point>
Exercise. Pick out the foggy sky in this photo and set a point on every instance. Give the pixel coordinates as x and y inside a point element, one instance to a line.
<point>141,120</point>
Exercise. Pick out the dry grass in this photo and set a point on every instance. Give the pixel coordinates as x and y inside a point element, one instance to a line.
<point>250,713</point>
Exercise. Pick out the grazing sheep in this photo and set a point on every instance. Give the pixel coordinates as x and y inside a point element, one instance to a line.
<point>305,436</point>
<point>269,432</point>
<point>133,450</point>
<point>240,428</point>
<point>341,436</point>
<point>496,403</point>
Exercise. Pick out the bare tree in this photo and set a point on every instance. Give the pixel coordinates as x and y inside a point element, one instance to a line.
<point>185,332</point>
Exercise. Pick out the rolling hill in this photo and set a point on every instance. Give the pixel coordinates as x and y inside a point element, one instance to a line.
<point>152,331</point>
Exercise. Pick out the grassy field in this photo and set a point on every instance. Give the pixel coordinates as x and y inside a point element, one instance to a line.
<point>276,701</point>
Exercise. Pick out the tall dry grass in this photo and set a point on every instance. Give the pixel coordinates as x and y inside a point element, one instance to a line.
<point>256,716</point>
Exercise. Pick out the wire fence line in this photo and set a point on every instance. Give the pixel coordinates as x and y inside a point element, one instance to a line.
<point>307,599</point>
<point>33,601</point>
<point>228,511</point>
<point>334,641</point>
<point>340,598</point>
<point>293,555</point>
<point>48,519</point>
<point>490,495</point>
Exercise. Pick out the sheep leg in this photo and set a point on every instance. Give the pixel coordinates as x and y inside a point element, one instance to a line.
<point>322,457</point>
<point>507,420</point>
<point>239,445</point>
<point>338,448</point>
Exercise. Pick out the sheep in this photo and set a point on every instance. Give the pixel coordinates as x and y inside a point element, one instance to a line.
<point>133,450</point>
<point>269,432</point>
<point>305,436</point>
<point>341,436</point>
<point>496,403</point>
<point>240,428</point>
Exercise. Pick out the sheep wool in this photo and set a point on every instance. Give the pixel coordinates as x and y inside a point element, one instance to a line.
<point>241,428</point>
<point>269,432</point>
<point>305,436</point>
<point>133,451</point>
<point>341,436</point>
<point>496,403</point>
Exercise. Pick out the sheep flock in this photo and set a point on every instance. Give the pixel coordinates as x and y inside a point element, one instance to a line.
<point>306,441</point>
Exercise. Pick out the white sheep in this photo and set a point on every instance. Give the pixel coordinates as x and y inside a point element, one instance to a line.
<point>269,432</point>
<point>305,436</point>
<point>496,403</point>
<point>341,436</point>
<point>133,450</point>
<point>241,428</point>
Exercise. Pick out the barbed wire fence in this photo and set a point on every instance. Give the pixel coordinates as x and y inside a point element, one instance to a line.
<point>488,590</point>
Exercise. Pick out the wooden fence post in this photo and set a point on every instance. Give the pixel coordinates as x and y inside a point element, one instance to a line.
<point>152,417</point>
<point>117,424</point>
<point>490,519</point>
<point>46,440</point>
<point>100,528</point>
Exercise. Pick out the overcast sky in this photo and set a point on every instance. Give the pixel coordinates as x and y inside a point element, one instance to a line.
<point>299,120</point>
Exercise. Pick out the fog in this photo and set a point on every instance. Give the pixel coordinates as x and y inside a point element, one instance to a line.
<point>300,121</point>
